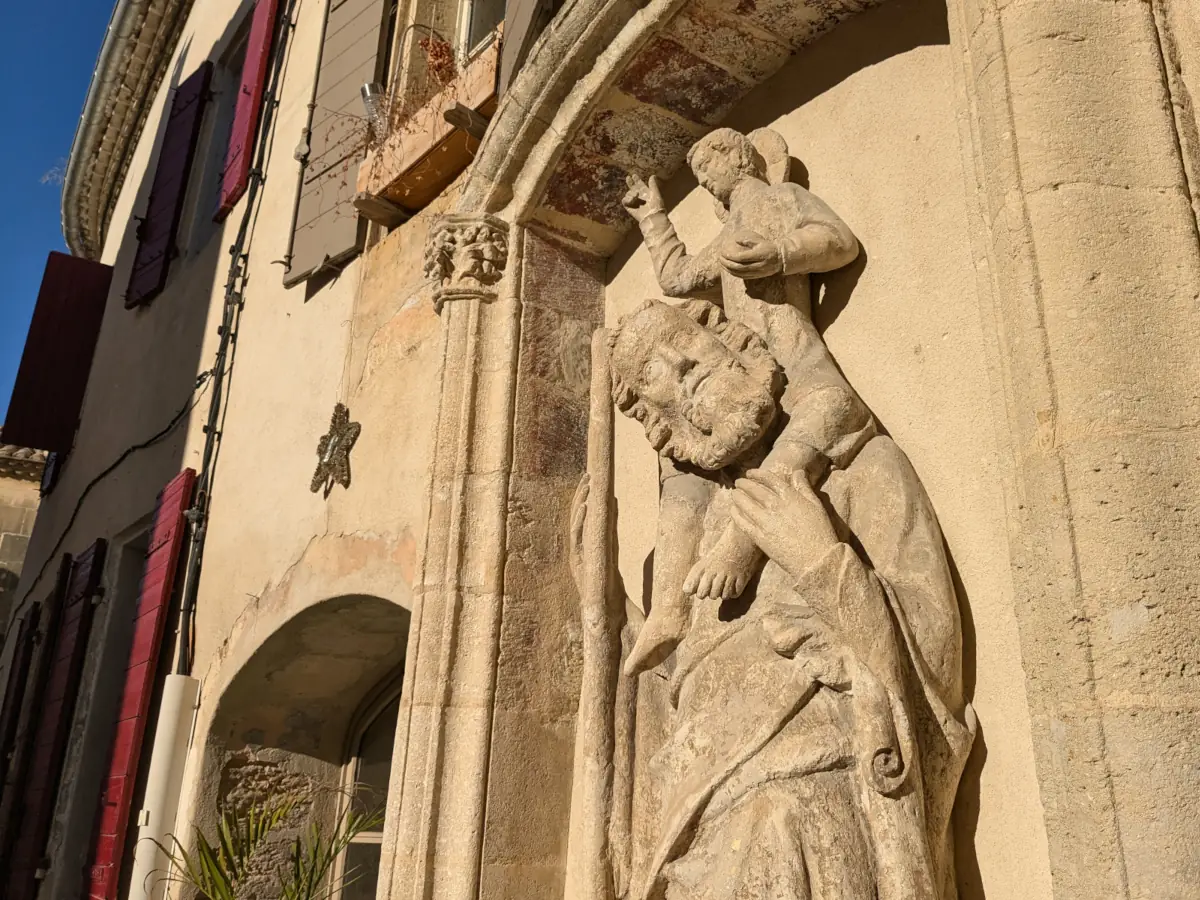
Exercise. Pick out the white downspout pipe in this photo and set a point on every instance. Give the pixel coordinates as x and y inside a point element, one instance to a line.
<point>164,782</point>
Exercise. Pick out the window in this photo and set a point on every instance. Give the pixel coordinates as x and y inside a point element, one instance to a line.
<point>478,20</point>
<point>327,231</point>
<point>367,776</point>
<point>204,193</point>
<point>148,590</point>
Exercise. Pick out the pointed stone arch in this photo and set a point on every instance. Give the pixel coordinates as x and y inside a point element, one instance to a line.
<point>614,88</point>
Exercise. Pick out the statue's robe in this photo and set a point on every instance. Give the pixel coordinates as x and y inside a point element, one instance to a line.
<point>785,715</point>
<point>819,729</point>
<point>769,775</point>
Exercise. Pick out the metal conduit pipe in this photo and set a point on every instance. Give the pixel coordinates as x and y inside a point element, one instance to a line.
<point>168,753</point>
<point>164,783</point>
<point>197,515</point>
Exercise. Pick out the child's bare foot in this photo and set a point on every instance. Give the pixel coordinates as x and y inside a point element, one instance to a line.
<point>660,635</point>
<point>724,572</point>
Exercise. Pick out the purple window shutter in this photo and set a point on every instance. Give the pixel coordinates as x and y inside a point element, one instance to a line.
<point>156,234</point>
<point>14,692</point>
<point>11,800</point>
<point>54,717</point>
<point>48,393</point>
<point>236,176</point>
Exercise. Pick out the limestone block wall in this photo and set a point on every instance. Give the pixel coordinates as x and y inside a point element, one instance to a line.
<point>18,509</point>
<point>1083,129</point>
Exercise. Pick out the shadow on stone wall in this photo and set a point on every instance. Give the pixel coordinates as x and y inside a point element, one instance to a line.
<point>294,700</point>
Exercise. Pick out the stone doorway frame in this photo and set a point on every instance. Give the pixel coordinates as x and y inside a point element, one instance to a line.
<point>614,87</point>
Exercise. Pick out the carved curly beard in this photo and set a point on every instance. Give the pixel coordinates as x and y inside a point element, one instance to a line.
<point>730,414</point>
<point>718,437</point>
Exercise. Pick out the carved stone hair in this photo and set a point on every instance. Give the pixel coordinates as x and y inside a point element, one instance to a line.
<point>727,142</point>
<point>750,349</point>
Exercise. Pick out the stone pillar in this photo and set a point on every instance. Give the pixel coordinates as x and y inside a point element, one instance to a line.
<point>1090,274</point>
<point>484,750</point>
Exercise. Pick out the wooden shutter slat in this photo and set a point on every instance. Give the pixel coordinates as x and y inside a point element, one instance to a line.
<point>524,21</point>
<point>156,236</point>
<point>48,393</point>
<point>14,691</point>
<point>236,176</point>
<point>327,229</point>
<point>154,601</point>
<point>54,719</point>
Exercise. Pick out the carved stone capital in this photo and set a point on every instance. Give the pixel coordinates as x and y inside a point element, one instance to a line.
<point>465,257</point>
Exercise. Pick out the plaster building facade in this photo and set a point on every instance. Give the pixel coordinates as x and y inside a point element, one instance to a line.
<point>861,563</point>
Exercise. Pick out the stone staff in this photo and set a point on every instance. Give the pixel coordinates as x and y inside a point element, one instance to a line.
<point>602,613</point>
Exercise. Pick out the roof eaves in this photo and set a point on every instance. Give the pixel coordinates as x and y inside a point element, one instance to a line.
<point>137,47</point>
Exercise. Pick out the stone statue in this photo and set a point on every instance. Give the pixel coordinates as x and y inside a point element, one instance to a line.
<point>775,234</point>
<point>817,728</point>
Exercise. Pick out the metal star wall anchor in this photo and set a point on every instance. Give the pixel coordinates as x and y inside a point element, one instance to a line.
<point>333,451</point>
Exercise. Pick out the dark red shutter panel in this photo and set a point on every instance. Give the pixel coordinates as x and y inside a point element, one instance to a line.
<point>14,691</point>
<point>57,709</point>
<point>48,393</point>
<point>236,176</point>
<point>11,809</point>
<point>154,601</point>
<point>156,234</point>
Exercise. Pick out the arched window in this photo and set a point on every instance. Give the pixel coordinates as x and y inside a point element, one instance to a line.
<point>367,774</point>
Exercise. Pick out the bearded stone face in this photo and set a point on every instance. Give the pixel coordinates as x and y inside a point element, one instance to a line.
<point>705,395</point>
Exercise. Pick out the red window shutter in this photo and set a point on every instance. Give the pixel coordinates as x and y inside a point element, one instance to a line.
<point>48,393</point>
<point>156,234</point>
<point>236,176</point>
<point>154,602</point>
<point>14,691</point>
<point>54,717</point>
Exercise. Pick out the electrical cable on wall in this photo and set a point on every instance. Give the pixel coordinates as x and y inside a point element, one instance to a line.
<point>235,283</point>
<point>214,377</point>
<point>192,402</point>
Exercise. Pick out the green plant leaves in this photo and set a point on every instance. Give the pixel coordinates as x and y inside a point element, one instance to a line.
<point>217,870</point>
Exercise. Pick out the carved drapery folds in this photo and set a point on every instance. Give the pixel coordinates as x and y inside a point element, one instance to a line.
<point>465,257</point>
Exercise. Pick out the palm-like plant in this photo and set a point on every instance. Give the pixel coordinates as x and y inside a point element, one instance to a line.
<point>218,870</point>
<point>309,875</point>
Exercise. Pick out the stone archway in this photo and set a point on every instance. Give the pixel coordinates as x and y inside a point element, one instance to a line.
<point>300,687</point>
<point>281,724</point>
<point>614,88</point>
<point>519,270</point>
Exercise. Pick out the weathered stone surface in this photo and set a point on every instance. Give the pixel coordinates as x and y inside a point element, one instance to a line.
<point>667,75</point>
<point>1019,317</point>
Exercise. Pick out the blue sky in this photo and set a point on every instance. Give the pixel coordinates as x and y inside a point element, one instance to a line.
<point>47,52</point>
